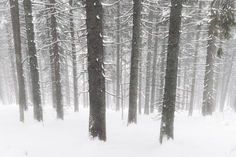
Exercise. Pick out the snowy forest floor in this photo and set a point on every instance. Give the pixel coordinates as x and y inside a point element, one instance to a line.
<point>195,136</point>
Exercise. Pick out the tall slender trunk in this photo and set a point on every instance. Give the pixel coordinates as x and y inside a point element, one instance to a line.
<point>38,115</point>
<point>118,75</point>
<point>14,7</point>
<point>168,108</point>
<point>50,49</point>
<point>97,115</point>
<point>133,88</point>
<point>56,61</point>
<point>148,64</point>
<point>74,57</point>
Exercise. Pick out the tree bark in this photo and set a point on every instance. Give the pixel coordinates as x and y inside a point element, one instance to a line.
<point>133,88</point>
<point>38,115</point>
<point>118,75</point>
<point>97,115</point>
<point>14,7</point>
<point>168,109</point>
<point>148,64</point>
<point>74,57</point>
<point>56,61</point>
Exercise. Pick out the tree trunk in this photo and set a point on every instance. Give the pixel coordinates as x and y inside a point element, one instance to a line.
<point>56,61</point>
<point>118,75</point>
<point>97,115</point>
<point>133,88</point>
<point>74,57</point>
<point>148,64</point>
<point>38,115</point>
<point>168,109</point>
<point>14,7</point>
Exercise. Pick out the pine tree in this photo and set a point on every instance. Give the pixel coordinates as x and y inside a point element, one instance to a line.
<point>168,108</point>
<point>97,115</point>
<point>14,7</point>
<point>38,115</point>
<point>133,87</point>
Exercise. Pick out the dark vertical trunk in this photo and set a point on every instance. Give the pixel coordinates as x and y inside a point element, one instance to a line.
<point>118,76</point>
<point>97,115</point>
<point>56,61</point>
<point>38,115</point>
<point>14,7</point>
<point>74,57</point>
<point>168,109</point>
<point>133,88</point>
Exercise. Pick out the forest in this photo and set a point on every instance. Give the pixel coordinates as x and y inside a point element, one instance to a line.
<point>117,78</point>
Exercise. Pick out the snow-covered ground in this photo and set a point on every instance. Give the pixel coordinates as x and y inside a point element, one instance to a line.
<point>194,137</point>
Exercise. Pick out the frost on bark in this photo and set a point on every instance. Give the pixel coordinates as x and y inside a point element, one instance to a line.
<point>96,78</point>
<point>133,88</point>
<point>14,7</point>
<point>168,108</point>
<point>38,115</point>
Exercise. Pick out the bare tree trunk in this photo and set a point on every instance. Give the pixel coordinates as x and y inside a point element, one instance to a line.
<point>168,109</point>
<point>148,64</point>
<point>52,68</point>
<point>97,115</point>
<point>56,61</point>
<point>14,7</point>
<point>118,75</point>
<point>133,88</point>
<point>74,57</point>
<point>38,115</point>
